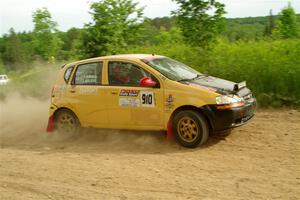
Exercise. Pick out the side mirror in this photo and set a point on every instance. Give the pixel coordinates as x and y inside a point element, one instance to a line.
<point>147,82</point>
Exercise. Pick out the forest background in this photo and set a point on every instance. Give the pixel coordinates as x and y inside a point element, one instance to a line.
<point>264,51</point>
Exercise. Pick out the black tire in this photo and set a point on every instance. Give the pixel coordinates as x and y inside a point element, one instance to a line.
<point>190,128</point>
<point>66,122</point>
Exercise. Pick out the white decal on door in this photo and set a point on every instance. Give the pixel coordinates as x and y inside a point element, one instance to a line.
<point>88,90</point>
<point>129,102</point>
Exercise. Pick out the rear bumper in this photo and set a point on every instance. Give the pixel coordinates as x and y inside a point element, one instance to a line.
<point>223,119</point>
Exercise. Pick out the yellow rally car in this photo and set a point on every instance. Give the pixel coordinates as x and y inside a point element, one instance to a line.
<point>147,92</point>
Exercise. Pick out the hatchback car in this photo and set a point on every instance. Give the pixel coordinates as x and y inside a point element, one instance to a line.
<point>147,92</point>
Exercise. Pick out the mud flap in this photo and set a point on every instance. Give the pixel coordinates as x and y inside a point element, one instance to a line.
<point>169,130</point>
<point>50,127</point>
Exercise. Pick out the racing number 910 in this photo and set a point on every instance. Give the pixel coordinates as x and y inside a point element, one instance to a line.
<point>147,99</point>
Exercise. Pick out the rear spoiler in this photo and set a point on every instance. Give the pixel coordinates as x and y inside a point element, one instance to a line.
<point>239,86</point>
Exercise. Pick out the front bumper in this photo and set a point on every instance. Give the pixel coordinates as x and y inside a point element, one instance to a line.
<point>223,119</point>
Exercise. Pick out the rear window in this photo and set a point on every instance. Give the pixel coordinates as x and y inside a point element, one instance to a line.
<point>88,74</point>
<point>68,73</point>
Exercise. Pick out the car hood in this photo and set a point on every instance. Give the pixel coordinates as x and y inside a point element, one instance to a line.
<point>215,84</point>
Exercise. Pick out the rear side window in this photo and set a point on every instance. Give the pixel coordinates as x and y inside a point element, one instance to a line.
<point>68,73</point>
<point>88,74</point>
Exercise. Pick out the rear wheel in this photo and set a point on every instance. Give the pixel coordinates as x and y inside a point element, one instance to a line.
<point>66,122</point>
<point>190,128</point>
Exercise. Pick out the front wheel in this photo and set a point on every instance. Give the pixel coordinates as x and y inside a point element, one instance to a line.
<point>190,128</point>
<point>66,122</point>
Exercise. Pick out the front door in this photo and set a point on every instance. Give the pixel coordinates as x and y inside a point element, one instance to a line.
<point>130,105</point>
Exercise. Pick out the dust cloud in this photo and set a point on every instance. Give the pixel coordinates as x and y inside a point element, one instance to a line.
<point>22,119</point>
<point>23,122</point>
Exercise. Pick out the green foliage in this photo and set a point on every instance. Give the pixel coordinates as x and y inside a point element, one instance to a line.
<point>43,22</point>
<point>198,26</point>
<point>270,67</point>
<point>163,22</point>
<point>45,42</point>
<point>251,28</point>
<point>270,26</point>
<point>286,25</point>
<point>244,51</point>
<point>2,68</point>
<point>13,52</point>
<point>246,29</point>
<point>116,23</point>
<point>71,40</point>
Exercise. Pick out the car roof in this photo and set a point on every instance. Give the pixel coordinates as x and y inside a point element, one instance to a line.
<point>128,57</point>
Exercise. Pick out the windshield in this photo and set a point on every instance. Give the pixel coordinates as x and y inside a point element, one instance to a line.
<point>173,69</point>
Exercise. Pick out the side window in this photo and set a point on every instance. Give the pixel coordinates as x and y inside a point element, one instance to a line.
<point>126,74</point>
<point>68,73</point>
<point>88,74</point>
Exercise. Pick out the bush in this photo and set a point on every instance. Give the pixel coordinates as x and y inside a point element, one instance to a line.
<point>271,68</point>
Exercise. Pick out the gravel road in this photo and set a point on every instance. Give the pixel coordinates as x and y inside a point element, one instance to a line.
<point>260,160</point>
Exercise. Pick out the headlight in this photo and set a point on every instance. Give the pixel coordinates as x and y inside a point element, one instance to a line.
<point>228,99</point>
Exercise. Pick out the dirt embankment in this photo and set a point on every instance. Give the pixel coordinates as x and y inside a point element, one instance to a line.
<point>258,161</point>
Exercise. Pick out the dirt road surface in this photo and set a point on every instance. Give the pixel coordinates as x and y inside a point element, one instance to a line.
<point>260,160</point>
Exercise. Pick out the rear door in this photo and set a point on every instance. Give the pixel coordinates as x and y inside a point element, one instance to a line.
<point>85,94</point>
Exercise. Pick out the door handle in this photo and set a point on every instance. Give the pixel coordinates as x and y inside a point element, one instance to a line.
<point>114,92</point>
<point>72,91</point>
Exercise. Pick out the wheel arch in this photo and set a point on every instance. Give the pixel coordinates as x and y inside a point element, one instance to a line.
<point>194,108</point>
<point>68,109</point>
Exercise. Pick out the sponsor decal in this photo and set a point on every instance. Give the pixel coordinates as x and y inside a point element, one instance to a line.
<point>169,101</point>
<point>147,99</point>
<point>129,102</point>
<point>129,93</point>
